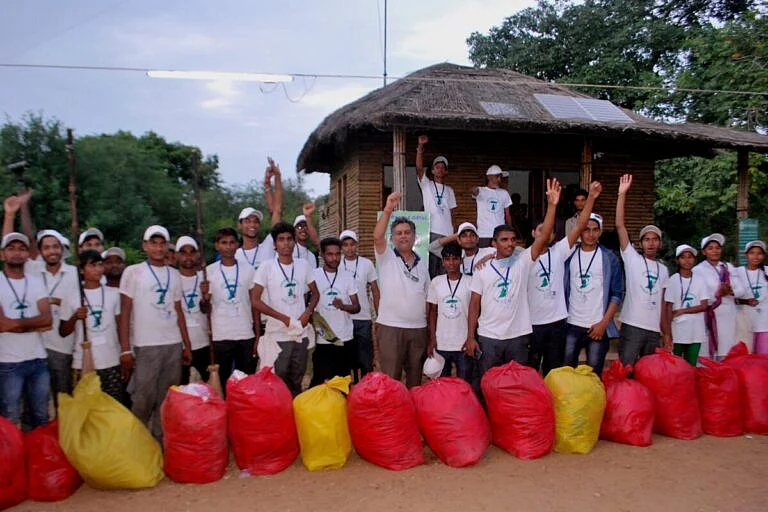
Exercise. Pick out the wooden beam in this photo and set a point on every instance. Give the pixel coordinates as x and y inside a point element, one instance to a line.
<point>585,176</point>
<point>742,199</point>
<point>398,163</point>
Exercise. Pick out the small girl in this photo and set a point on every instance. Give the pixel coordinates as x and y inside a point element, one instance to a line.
<point>756,300</point>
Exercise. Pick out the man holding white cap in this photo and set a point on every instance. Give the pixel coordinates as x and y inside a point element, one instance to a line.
<point>153,328</point>
<point>363,272</point>
<point>594,288</point>
<point>438,198</point>
<point>642,326</point>
<point>467,237</point>
<point>493,204</point>
<point>195,307</point>
<point>24,312</point>
<point>252,252</point>
<point>114,266</point>
<point>722,287</point>
<point>91,238</point>
<point>305,230</point>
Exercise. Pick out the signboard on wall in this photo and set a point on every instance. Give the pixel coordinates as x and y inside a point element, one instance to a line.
<point>421,220</point>
<point>747,233</point>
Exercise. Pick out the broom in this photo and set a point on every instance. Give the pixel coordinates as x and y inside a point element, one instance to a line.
<point>213,369</point>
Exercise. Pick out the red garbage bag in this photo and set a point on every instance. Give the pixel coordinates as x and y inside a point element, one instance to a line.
<point>719,393</point>
<point>753,377</point>
<point>452,421</point>
<point>13,467</point>
<point>260,422</point>
<point>50,475</point>
<point>672,382</point>
<point>521,410</point>
<point>194,419</point>
<point>628,417</point>
<point>382,423</point>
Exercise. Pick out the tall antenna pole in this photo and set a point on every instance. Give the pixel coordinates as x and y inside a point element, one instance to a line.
<point>385,42</point>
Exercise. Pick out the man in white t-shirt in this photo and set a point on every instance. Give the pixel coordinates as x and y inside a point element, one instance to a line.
<point>305,231</point>
<point>153,329</point>
<point>363,272</point>
<point>24,313</point>
<point>471,253</point>
<point>333,317</point>
<point>642,325</point>
<point>232,316</point>
<point>196,307</point>
<point>401,326</point>
<point>498,309</point>
<point>438,198</point>
<point>594,288</point>
<point>448,307</point>
<point>546,293</point>
<point>493,204</point>
<point>280,287</point>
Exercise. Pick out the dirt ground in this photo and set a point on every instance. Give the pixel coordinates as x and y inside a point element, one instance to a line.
<point>709,474</point>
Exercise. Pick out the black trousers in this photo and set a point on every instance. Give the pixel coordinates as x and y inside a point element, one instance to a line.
<point>234,355</point>
<point>330,361</point>
<point>201,358</point>
<point>547,346</point>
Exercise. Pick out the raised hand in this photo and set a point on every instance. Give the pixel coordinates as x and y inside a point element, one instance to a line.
<point>11,204</point>
<point>308,209</point>
<point>625,182</point>
<point>392,201</point>
<point>25,196</point>
<point>595,188</point>
<point>553,191</point>
<point>423,139</point>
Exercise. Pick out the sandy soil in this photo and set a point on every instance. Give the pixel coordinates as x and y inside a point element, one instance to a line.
<point>709,474</point>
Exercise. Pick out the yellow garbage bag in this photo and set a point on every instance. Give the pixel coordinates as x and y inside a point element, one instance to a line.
<point>579,399</point>
<point>321,421</point>
<point>107,444</point>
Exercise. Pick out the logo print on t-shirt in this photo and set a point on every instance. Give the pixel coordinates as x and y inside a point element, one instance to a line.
<point>651,283</point>
<point>290,291</point>
<point>756,290</point>
<point>544,276</point>
<point>97,315</point>
<point>688,301</point>
<point>189,298</point>
<point>585,280</point>
<point>502,294</point>
<point>21,307</point>
<point>450,307</point>
<point>331,293</point>
<point>161,293</point>
<point>230,290</point>
<point>493,203</point>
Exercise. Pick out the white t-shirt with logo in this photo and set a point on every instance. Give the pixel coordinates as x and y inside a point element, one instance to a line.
<point>452,301</point>
<point>197,321</point>
<point>756,288</point>
<point>343,288</point>
<point>303,253</point>
<point>645,283</point>
<point>439,200</point>
<point>491,204</point>
<point>585,307</point>
<point>546,294</point>
<point>685,292</point>
<point>18,347</point>
<point>403,300</point>
<point>231,313</point>
<point>363,272</point>
<point>154,292</point>
<point>254,257</point>
<point>284,289</point>
<point>504,310</point>
<point>63,286</point>
<point>103,305</point>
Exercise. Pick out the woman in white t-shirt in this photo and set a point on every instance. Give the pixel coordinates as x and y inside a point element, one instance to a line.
<point>756,298</point>
<point>493,204</point>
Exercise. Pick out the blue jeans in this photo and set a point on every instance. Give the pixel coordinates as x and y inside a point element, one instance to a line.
<point>462,362</point>
<point>576,339</point>
<point>30,380</point>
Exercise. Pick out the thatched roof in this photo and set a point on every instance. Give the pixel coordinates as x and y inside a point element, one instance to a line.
<point>447,96</point>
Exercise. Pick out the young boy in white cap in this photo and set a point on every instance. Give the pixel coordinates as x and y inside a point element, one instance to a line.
<point>194,305</point>
<point>24,312</point>
<point>91,238</point>
<point>723,286</point>
<point>755,299</point>
<point>468,239</point>
<point>438,198</point>
<point>152,328</point>
<point>252,252</point>
<point>363,272</point>
<point>114,266</point>
<point>493,204</point>
<point>642,326</point>
<point>305,231</point>
<point>685,301</point>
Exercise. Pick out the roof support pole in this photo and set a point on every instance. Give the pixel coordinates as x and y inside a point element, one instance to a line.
<point>742,199</point>
<point>398,163</point>
<point>585,177</point>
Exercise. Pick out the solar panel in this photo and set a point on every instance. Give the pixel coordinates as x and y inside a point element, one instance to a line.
<point>568,107</point>
<point>602,110</point>
<point>494,108</point>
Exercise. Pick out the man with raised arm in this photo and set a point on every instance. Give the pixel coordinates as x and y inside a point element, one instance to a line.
<point>252,252</point>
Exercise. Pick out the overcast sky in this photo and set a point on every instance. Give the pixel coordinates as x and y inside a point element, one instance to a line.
<point>241,122</point>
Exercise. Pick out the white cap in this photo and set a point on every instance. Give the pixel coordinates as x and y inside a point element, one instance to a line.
<point>58,236</point>
<point>88,233</point>
<point>348,233</point>
<point>113,251</point>
<point>495,170</point>
<point>14,237</point>
<point>754,243</point>
<point>433,366</point>
<point>299,219</point>
<point>714,237</point>
<point>685,248</point>
<point>464,226</point>
<point>186,240</point>
<point>247,212</point>
<point>597,218</point>
<point>156,230</point>
<point>440,160</point>
<point>650,228</point>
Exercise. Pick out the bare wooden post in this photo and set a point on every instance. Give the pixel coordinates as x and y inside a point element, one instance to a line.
<point>585,176</point>
<point>742,199</point>
<point>398,163</point>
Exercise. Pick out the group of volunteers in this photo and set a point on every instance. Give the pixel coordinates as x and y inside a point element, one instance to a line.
<point>483,302</point>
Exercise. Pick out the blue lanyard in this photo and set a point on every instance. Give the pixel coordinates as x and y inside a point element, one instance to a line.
<point>453,291</point>
<point>471,266</point>
<point>357,262</point>
<point>290,284</point>
<point>684,295</point>
<point>582,275</point>
<point>231,288</point>
<point>548,271</point>
<point>648,275</point>
<point>162,291</point>
<point>439,195</point>
<point>504,278</point>
<point>189,298</point>
<point>753,287</point>
<point>22,303</point>
<point>255,253</point>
